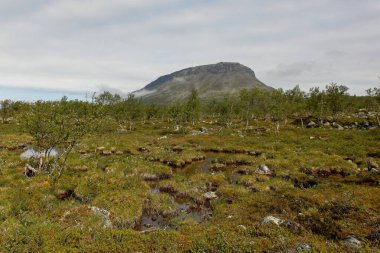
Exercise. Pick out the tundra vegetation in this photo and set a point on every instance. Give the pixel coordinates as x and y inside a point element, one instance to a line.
<point>265,171</point>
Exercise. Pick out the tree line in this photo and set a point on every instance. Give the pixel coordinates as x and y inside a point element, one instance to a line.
<point>275,105</point>
<point>62,124</point>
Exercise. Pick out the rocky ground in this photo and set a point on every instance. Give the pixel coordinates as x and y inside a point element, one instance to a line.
<point>204,188</point>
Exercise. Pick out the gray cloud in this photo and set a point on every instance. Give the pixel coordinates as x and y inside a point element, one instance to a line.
<point>79,45</point>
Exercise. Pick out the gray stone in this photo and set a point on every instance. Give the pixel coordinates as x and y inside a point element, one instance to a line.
<point>104,214</point>
<point>352,242</point>
<point>263,169</point>
<point>272,219</point>
<point>311,124</point>
<point>210,195</point>
<point>29,171</point>
<point>303,247</point>
<point>362,115</point>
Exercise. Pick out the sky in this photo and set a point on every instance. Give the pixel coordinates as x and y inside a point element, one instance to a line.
<point>50,48</point>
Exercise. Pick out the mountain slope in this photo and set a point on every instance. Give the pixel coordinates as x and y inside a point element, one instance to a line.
<point>211,81</point>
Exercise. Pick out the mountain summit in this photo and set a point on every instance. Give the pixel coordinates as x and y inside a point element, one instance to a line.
<point>211,81</point>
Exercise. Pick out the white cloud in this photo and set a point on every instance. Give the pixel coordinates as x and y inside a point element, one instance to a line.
<point>79,45</point>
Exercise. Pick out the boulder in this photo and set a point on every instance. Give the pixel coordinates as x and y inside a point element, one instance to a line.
<point>29,171</point>
<point>311,124</point>
<point>263,169</point>
<point>272,219</point>
<point>106,153</point>
<point>303,247</point>
<point>352,242</point>
<point>372,164</point>
<point>337,126</point>
<point>100,148</point>
<point>362,115</point>
<point>210,195</point>
<point>104,214</point>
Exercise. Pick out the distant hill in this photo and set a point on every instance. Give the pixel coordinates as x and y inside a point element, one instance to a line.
<point>211,81</point>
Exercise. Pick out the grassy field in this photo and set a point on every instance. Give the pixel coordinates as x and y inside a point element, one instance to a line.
<point>218,189</point>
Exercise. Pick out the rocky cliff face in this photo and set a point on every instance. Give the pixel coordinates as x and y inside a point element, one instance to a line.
<point>211,81</point>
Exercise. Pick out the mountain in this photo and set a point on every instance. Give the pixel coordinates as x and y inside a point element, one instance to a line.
<point>211,81</point>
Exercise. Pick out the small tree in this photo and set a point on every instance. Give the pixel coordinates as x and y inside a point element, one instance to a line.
<point>373,100</point>
<point>107,98</point>
<point>336,97</point>
<point>226,109</point>
<point>175,113</point>
<point>192,107</point>
<point>316,102</point>
<point>5,109</point>
<point>60,126</point>
<point>297,100</point>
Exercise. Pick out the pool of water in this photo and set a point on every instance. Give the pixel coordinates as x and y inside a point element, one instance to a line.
<point>30,152</point>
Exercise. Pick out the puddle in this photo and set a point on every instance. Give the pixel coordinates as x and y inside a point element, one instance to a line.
<point>203,166</point>
<point>32,153</point>
<point>184,210</point>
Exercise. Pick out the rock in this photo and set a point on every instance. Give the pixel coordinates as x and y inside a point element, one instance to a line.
<point>143,150</point>
<point>272,219</point>
<point>327,124</point>
<point>303,247</point>
<point>293,226</point>
<point>29,171</point>
<point>195,132</point>
<point>100,148</point>
<point>283,223</point>
<point>352,242</point>
<point>263,169</point>
<point>203,129</point>
<point>162,137</point>
<point>242,227</point>
<point>337,126</point>
<point>210,195</point>
<point>362,115</point>
<point>104,214</point>
<point>119,152</point>
<point>106,153</point>
<point>311,137</point>
<point>372,114</point>
<point>372,164</point>
<point>311,124</point>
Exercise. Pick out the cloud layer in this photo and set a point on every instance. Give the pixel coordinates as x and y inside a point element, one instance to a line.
<point>85,45</point>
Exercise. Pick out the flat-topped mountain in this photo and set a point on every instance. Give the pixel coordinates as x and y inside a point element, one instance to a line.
<point>211,81</point>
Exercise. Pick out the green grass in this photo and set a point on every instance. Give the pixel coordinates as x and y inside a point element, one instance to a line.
<point>319,182</point>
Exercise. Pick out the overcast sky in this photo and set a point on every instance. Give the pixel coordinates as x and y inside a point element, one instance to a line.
<point>87,45</point>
